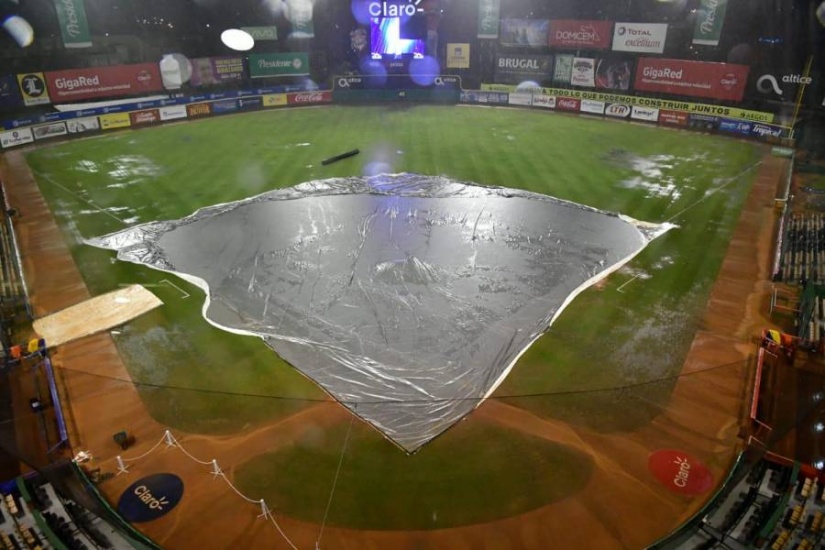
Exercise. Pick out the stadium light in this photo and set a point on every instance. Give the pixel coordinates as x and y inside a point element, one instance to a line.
<point>17,27</point>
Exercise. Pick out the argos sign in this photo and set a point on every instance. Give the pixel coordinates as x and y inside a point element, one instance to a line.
<point>691,78</point>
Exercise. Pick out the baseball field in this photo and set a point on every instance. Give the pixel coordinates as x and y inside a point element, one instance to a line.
<point>559,453</point>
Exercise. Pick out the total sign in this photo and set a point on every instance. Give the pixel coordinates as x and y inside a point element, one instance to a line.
<point>640,37</point>
<point>387,9</point>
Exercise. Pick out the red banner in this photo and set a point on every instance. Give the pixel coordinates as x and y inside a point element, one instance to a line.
<point>674,118</point>
<point>148,116</point>
<point>95,82</point>
<point>593,35</point>
<point>568,104</point>
<point>308,98</point>
<point>691,78</point>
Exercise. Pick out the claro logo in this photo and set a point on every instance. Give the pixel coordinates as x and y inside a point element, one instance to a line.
<point>386,9</point>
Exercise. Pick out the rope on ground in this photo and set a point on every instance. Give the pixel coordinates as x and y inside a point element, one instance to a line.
<point>335,481</point>
<point>172,441</point>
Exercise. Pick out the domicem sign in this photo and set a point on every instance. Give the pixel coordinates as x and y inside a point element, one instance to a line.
<point>594,35</point>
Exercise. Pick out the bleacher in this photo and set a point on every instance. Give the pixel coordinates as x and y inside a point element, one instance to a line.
<point>803,254</point>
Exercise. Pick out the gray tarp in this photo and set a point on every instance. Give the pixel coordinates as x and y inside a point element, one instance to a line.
<point>408,298</point>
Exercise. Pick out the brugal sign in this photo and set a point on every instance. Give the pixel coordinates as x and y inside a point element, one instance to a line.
<point>150,498</point>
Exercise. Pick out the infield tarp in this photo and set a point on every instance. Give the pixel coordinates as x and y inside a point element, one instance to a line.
<point>408,298</point>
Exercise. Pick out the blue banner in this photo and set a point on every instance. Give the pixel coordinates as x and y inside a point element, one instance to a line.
<point>9,93</point>
<point>736,126</point>
<point>225,106</point>
<point>251,103</point>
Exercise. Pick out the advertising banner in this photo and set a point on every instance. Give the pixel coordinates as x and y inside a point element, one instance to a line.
<point>703,122</point>
<point>515,69</point>
<point>525,32</point>
<point>84,124</point>
<point>198,109</point>
<point>71,14</point>
<point>116,80</point>
<point>16,137</point>
<point>262,34</point>
<point>9,93</point>
<point>640,37</point>
<point>209,71</point>
<point>589,35</point>
<point>614,73</point>
<point>618,110</point>
<point>544,101</point>
<point>735,126</point>
<point>673,118</point>
<point>568,104</point>
<point>584,72</point>
<point>563,71</point>
<point>274,100</point>
<point>767,130</point>
<point>592,107</point>
<point>173,112</point>
<point>647,114</point>
<point>149,116</point>
<point>709,19</point>
<point>46,131</point>
<point>691,78</point>
<point>118,120</point>
<point>520,99</point>
<point>299,13</point>
<point>674,105</point>
<point>224,106</point>
<point>33,89</point>
<point>494,98</point>
<point>458,56</point>
<point>781,84</point>
<point>309,98</point>
<point>250,103</point>
<point>263,65</point>
<point>488,18</point>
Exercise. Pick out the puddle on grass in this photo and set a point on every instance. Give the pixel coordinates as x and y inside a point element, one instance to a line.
<point>124,170</point>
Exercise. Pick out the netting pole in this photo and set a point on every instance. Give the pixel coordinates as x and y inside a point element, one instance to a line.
<point>216,470</point>
<point>264,510</point>
<point>170,440</point>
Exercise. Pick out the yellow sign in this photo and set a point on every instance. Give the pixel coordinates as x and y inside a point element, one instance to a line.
<point>673,105</point>
<point>274,100</point>
<point>33,89</point>
<point>112,121</point>
<point>458,56</point>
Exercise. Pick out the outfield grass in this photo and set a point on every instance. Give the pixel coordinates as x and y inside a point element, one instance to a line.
<point>605,338</point>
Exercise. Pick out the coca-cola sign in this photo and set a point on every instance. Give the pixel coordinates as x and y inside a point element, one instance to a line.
<point>568,104</point>
<point>305,98</point>
<point>568,33</point>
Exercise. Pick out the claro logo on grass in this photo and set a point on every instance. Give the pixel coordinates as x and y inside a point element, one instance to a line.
<point>150,498</point>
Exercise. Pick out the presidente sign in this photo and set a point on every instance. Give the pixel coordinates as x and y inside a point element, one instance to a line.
<point>640,37</point>
<point>265,65</point>
<point>95,82</point>
<point>71,14</point>
<point>709,20</point>
<point>691,78</point>
<point>569,33</point>
<point>647,102</point>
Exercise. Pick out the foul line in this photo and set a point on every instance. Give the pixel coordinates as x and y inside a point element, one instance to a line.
<point>78,197</point>
<point>714,191</point>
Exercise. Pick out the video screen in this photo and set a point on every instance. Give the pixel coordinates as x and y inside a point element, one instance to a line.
<point>386,37</point>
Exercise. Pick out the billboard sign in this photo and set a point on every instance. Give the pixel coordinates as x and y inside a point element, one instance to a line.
<point>274,100</point>
<point>198,109</point>
<point>775,85</point>
<point>488,18</point>
<point>590,35</point>
<point>114,121</point>
<point>563,71</point>
<point>264,65</point>
<point>262,34</point>
<point>148,116</point>
<point>9,92</point>
<point>648,114</point>
<point>520,99</point>
<point>614,73</point>
<point>173,112</point>
<point>309,98</point>
<point>250,103</point>
<point>766,130</point>
<point>734,126</point>
<point>568,104</point>
<point>673,118</point>
<point>640,37</point>
<point>71,14</point>
<point>46,131</point>
<point>584,72</point>
<point>618,110</point>
<point>96,82</point>
<point>16,137</point>
<point>709,19</point>
<point>209,71</point>
<point>544,101</point>
<point>592,106</point>
<point>33,89</point>
<point>691,78</point>
<point>458,56</point>
<point>83,124</point>
<point>225,106</point>
<point>514,69</point>
<point>703,122</point>
<point>531,33</point>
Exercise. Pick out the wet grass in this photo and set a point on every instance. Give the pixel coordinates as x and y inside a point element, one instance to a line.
<point>453,481</point>
<point>606,338</point>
